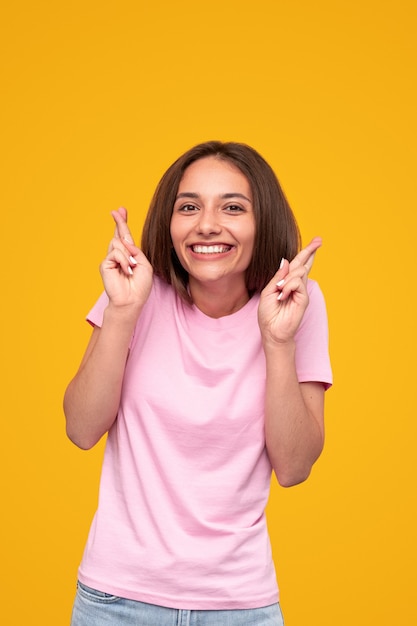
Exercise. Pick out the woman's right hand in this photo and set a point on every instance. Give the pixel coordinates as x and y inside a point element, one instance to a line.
<point>92,398</point>
<point>126,272</point>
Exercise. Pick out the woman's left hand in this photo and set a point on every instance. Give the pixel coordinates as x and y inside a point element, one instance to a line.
<point>285,298</point>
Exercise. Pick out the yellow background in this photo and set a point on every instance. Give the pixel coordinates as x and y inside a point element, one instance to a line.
<point>97,100</point>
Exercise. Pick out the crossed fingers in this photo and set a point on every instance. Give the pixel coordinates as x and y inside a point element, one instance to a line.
<point>306,255</point>
<point>122,248</point>
<point>121,230</point>
<point>295,273</point>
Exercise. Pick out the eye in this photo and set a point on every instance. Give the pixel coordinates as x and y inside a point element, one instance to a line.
<point>188,208</point>
<point>234,208</point>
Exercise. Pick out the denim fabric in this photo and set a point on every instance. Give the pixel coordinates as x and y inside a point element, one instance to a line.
<point>95,608</point>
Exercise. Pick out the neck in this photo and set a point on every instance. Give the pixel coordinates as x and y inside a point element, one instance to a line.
<point>218,301</point>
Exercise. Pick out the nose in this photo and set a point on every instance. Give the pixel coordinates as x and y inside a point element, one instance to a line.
<point>208,222</point>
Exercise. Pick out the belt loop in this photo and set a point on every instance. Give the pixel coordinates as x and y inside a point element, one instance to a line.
<point>184,618</point>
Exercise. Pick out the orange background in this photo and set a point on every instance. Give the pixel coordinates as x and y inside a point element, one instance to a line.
<point>98,98</point>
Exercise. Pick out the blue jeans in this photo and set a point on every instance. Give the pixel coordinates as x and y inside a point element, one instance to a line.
<point>95,608</point>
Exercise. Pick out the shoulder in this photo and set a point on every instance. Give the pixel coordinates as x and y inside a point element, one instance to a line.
<point>312,340</point>
<point>315,314</point>
<point>162,294</point>
<point>313,288</point>
<point>316,297</point>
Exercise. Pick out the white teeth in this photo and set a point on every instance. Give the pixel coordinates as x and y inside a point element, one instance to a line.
<point>210,249</point>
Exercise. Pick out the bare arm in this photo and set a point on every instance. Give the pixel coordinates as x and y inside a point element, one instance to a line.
<point>92,398</point>
<point>294,417</point>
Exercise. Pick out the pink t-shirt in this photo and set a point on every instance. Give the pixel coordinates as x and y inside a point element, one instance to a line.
<point>185,479</point>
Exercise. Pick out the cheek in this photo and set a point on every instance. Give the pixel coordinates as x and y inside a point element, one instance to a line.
<point>248,237</point>
<point>173,231</point>
<point>176,240</point>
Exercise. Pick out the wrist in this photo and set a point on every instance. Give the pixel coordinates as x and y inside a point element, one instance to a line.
<point>125,315</point>
<point>277,346</point>
<point>279,354</point>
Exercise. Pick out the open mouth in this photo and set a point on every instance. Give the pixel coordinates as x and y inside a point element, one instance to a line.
<point>210,249</point>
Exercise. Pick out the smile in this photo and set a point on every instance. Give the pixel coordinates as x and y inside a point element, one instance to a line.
<point>210,249</point>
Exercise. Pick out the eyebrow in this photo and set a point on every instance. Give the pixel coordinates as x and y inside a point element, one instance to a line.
<point>224,196</point>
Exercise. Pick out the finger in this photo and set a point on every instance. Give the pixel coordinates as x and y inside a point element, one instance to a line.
<point>306,255</point>
<point>286,283</point>
<point>309,264</point>
<point>122,211</point>
<point>130,251</point>
<point>277,279</point>
<point>295,285</point>
<point>122,230</point>
<point>117,259</point>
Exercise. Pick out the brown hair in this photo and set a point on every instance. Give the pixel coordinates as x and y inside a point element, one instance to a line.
<point>277,235</point>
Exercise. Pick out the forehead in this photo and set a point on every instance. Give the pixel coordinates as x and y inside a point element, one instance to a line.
<point>212,171</point>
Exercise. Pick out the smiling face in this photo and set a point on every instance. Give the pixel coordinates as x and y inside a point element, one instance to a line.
<point>212,223</point>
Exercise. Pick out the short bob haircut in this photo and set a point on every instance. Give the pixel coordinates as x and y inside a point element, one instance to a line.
<point>277,235</point>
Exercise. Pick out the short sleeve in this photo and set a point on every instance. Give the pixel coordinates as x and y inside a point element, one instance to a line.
<point>95,316</point>
<point>312,341</point>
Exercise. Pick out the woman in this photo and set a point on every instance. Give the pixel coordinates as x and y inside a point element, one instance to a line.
<point>207,367</point>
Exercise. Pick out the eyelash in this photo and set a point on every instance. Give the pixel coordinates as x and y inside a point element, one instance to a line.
<point>230,208</point>
<point>236,208</point>
<point>186,208</point>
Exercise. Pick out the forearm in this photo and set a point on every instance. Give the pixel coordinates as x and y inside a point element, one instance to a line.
<point>293,417</point>
<point>92,399</point>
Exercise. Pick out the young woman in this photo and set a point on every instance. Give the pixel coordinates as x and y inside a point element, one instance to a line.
<point>207,368</point>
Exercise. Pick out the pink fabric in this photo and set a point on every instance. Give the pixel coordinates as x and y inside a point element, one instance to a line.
<point>185,479</point>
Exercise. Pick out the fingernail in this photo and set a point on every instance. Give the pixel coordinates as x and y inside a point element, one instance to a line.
<point>280,282</point>
<point>128,238</point>
<point>129,269</point>
<point>281,265</point>
<point>279,296</point>
<point>133,260</point>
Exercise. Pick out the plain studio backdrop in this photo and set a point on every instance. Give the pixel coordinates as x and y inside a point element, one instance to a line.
<point>98,98</point>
